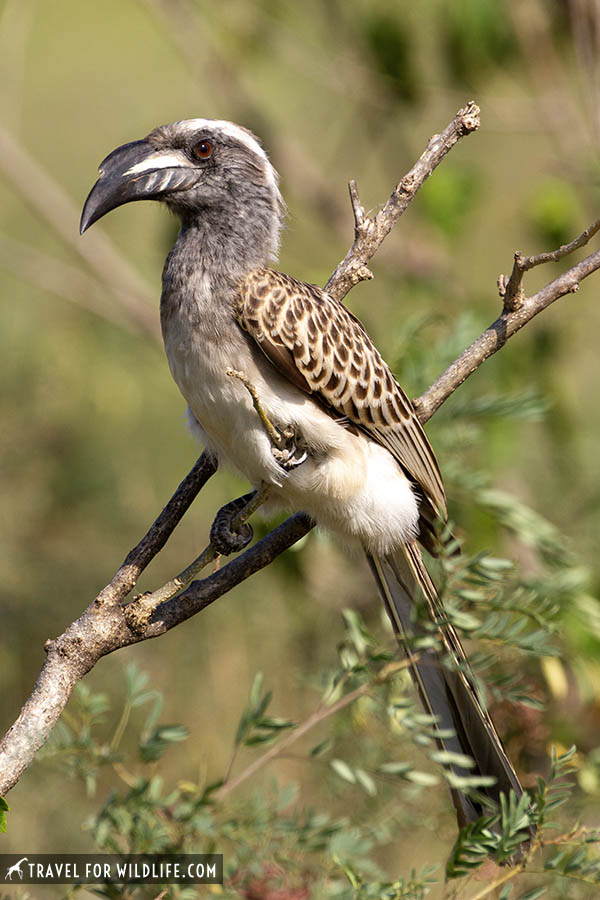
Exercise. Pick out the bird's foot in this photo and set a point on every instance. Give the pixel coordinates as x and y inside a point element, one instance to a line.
<point>288,455</point>
<point>223,538</point>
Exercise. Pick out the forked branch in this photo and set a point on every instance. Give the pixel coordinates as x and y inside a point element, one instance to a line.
<point>370,232</point>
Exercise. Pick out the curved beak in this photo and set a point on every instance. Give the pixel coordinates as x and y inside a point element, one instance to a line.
<point>136,171</point>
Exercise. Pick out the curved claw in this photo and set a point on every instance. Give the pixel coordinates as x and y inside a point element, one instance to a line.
<point>287,458</point>
<point>222,537</point>
<point>299,460</point>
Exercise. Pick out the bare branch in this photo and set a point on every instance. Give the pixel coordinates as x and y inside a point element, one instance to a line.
<point>509,322</point>
<point>513,290</point>
<point>370,232</point>
<point>100,630</point>
<point>357,207</point>
<point>139,611</point>
<point>103,629</point>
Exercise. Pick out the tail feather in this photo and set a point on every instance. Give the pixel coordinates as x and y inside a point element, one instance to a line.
<point>448,693</point>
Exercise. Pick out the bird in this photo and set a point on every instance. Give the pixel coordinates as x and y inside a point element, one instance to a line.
<point>361,464</point>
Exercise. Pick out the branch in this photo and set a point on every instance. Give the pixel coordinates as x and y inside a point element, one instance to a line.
<point>512,290</point>
<point>140,610</point>
<point>516,313</point>
<point>321,713</point>
<point>108,624</point>
<point>76,651</point>
<point>369,232</point>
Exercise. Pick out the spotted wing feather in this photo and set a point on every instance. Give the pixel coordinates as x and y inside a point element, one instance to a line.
<point>318,344</point>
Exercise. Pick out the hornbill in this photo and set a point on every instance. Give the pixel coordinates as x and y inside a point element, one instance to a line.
<point>361,464</point>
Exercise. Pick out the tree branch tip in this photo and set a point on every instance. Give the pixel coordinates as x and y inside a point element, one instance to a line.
<point>357,207</point>
<point>469,118</point>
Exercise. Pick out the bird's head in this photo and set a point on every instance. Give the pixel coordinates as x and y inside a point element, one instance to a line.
<point>206,171</point>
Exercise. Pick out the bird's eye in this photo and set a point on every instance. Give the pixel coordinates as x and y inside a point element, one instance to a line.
<point>203,150</point>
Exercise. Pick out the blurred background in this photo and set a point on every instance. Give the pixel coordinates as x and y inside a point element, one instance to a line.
<point>93,439</point>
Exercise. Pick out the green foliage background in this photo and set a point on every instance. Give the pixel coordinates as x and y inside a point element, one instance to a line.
<point>93,438</point>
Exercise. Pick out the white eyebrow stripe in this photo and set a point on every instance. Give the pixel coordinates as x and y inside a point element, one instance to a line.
<point>158,161</point>
<point>227,128</point>
<point>230,129</point>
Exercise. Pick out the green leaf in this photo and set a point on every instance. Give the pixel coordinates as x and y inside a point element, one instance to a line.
<point>448,758</point>
<point>366,782</point>
<point>135,680</point>
<point>153,747</point>
<point>533,894</point>
<point>172,733</point>
<point>4,808</point>
<point>276,723</point>
<point>256,690</point>
<point>268,737</point>
<point>342,769</point>
<point>395,768</point>
<point>323,747</point>
<point>464,621</point>
<point>573,864</point>
<point>465,782</point>
<point>425,779</point>
<point>356,631</point>
<point>475,842</point>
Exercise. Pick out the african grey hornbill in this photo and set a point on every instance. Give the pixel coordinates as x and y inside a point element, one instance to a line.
<point>369,472</point>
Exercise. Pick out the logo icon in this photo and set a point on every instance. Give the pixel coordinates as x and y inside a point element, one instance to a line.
<point>16,868</point>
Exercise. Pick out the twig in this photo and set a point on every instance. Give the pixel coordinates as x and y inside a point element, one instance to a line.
<point>320,714</point>
<point>370,232</point>
<point>141,608</point>
<point>512,292</point>
<point>508,875</point>
<point>508,323</point>
<point>276,438</point>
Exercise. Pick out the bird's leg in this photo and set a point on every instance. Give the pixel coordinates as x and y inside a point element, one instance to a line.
<point>284,444</point>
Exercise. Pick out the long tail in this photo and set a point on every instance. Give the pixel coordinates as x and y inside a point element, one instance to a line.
<point>447,692</point>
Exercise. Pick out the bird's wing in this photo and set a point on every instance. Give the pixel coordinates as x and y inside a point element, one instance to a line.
<point>316,342</point>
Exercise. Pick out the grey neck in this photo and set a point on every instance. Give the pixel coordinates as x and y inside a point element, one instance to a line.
<point>229,239</point>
